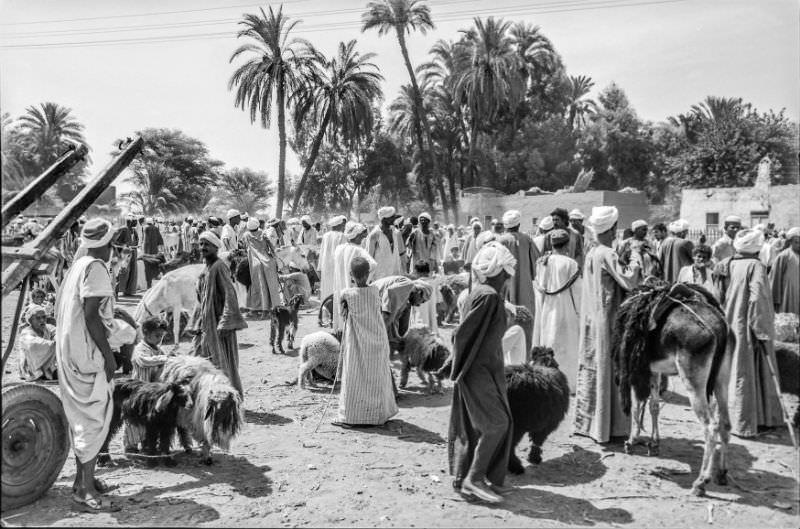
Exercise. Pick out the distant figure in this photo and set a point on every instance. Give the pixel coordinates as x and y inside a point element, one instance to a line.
<point>785,275</point>
<point>37,346</point>
<point>676,251</point>
<point>153,245</point>
<point>330,240</point>
<point>723,248</point>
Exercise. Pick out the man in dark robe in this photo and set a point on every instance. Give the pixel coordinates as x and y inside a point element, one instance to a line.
<point>675,251</point>
<point>216,317</point>
<point>153,245</point>
<point>575,244</point>
<point>521,246</point>
<point>479,441</point>
<point>128,276</point>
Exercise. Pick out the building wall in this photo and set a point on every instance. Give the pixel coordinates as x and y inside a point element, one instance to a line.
<point>782,205</point>
<point>631,206</point>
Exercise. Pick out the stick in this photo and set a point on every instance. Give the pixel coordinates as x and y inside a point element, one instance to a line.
<point>772,372</point>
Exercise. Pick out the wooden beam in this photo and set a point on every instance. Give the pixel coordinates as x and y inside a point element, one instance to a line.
<point>40,185</point>
<point>17,271</point>
<point>23,253</point>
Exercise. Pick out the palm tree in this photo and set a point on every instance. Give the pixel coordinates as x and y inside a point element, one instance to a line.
<point>579,108</point>
<point>276,66</point>
<point>488,75</point>
<point>339,96</point>
<point>11,168</point>
<point>47,131</point>
<point>153,181</point>
<point>244,189</point>
<point>405,16</point>
<point>720,108</point>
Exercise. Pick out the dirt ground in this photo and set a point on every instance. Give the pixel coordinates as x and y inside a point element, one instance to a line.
<point>281,473</point>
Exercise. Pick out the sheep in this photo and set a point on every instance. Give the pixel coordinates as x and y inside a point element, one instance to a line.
<point>319,351</point>
<point>281,317</point>
<point>216,416</point>
<point>427,352</point>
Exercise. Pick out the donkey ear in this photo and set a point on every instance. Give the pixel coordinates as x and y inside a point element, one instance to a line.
<point>164,400</point>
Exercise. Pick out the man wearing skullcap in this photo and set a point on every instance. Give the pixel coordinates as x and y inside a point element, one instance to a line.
<point>128,273</point>
<point>228,236</point>
<point>540,240</point>
<point>216,317</point>
<point>385,245</point>
<point>557,299</point>
<point>153,245</point>
<point>479,438</point>
<point>576,220</point>
<point>263,293</point>
<point>520,288</point>
<point>637,242</point>
<point>598,413</point>
<point>575,245</point>
<point>676,251</point>
<point>723,248</point>
<point>784,275</point>
<point>469,250</point>
<point>330,241</point>
<point>744,291</point>
<point>343,255</point>
<point>86,364</point>
<point>423,245</point>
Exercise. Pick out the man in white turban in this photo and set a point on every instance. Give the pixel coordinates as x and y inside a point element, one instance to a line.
<point>228,235</point>
<point>525,253</point>
<point>675,251</point>
<point>479,439</point>
<point>746,297</point>
<point>546,224</point>
<point>784,275</point>
<point>651,265</point>
<point>423,244</point>
<point>385,245</point>
<point>263,292</point>
<point>86,365</point>
<point>330,241</point>
<point>343,256</point>
<point>598,413</point>
<point>723,247</point>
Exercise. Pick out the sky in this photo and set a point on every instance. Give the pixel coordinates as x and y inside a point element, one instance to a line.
<point>122,66</point>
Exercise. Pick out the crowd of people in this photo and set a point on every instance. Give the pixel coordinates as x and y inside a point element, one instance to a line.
<point>571,273</point>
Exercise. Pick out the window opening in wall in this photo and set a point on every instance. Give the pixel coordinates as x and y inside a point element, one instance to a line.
<point>712,221</point>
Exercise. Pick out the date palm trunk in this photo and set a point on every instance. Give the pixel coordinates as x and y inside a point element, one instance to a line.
<point>312,158</point>
<point>281,99</point>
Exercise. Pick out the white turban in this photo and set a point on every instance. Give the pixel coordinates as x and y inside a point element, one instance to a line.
<point>96,233</point>
<point>733,219</point>
<point>483,238</point>
<point>148,220</point>
<point>638,224</point>
<point>335,221</point>
<point>603,218</point>
<point>425,215</point>
<point>748,241</point>
<point>576,214</point>
<point>473,220</point>
<point>476,223</point>
<point>511,218</point>
<point>760,227</point>
<point>253,224</point>
<point>306,219</point>
<point>546,224</point>
<point>211,237</point>
<point>232,213</point>
<point>679,226</point>
<point>491,259</point>
<point>794,232</point>
<point>385,212</point>
<point>353,230</point>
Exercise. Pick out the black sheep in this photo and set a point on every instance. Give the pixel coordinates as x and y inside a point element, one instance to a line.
<point>538,395</point>
<point>283,316</point>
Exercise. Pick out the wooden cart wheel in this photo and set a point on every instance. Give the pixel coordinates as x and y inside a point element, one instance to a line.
<point>35,443</point>
<point>325,316</point>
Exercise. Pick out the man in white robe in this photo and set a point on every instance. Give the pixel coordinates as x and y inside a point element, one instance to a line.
<point>469,250</point>
<point>330,241</point>
<point>355,233</point>
<point>228,235</point>
<point>385,245</point>
<point>723,247</point>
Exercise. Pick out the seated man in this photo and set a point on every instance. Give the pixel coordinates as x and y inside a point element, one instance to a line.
<point>37,347</point>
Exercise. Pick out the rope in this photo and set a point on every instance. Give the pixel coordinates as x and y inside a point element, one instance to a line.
<point>693,313</point>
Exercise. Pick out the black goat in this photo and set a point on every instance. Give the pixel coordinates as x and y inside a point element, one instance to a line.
<point>281,317</point>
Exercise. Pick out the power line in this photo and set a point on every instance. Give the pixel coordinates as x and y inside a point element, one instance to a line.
<point>334,26</point>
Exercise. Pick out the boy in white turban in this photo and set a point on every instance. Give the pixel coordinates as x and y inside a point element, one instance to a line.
<point>479,439</point>
<point>598,413</point>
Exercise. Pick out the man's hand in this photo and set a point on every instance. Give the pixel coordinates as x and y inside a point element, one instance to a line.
<point>110,367</point>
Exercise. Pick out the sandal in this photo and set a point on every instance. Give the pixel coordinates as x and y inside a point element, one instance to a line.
<point>94,505</point>
<point>342,425</point>
<point>100,486</point>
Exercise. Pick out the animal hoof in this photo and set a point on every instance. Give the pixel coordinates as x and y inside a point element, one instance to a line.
<point>170,462</point>
<point>627,447</point>
<point>652,450</point>
<point>535,459</point>
<point>721,477</point>
<point>699,491</point>
<point>515,466</point>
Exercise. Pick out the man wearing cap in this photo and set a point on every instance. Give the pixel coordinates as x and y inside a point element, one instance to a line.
<point>557,299</point>
<point>423,245</point>
<point>228,236</point>
<point>676,251</point>
<point>540,240</point>
<point>385,245</point>
<point>598,413</point>
<point>343,255</point>
<point>216,317</point>
<point>264,291</point>
<point>330,241</point>
<point>746,298</point>
<point>469,250</point>
<point>153,245</point>
<point>576,221</point>
<point>85,361</point>
<point>723,247</point>
<point>784,276</point>
<point>520,288</point>
<point>651,266</point>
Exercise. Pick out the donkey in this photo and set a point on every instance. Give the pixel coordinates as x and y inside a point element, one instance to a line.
<point>676,330</point>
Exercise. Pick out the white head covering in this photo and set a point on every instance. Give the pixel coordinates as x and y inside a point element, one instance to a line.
<point>335,221</point>
<point>760,227</point>
<point>232,213</point>
<point>546,224</point>
<point>638,224</point>
<point>576,214</point>
<point>748,241</point>
<point>245,215</point>
<point>603,218</point>
<point>148,220</point>
<point>424,215</point>
<point>211,237</point>
<point>253,224</point>
<point>353,230</point>
<point>679,226</point>
<point>473,220</point>
<point>385,212</point>
<point>733,219</point>
<point>306,219</point>
<point>491,259</point>
<point>483,238</point>
<point>96,233</point>
<point>794,232</point>
<point>512,218</point>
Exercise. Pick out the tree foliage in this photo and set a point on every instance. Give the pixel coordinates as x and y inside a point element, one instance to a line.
<point>243,189</point>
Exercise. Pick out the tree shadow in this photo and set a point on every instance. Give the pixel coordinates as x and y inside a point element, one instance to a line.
<point>406,431</point>
<point>752,484</point>
<point>577,467</point>
<point>262,418</point>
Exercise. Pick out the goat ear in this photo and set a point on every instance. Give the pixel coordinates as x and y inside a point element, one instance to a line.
<point>164,400</point>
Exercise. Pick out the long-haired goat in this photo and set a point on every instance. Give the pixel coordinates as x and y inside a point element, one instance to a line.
<point>217,416</point>
<point>425,351</point>
<point>283,317</point>
<point>319,351</point>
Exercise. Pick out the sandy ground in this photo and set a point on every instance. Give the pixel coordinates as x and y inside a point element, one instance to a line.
<point>281,473</point>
